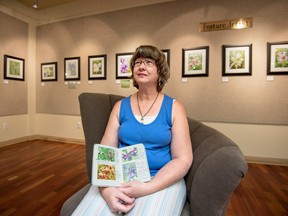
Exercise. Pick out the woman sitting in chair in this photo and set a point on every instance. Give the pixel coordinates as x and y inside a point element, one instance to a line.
<point>160,123</point>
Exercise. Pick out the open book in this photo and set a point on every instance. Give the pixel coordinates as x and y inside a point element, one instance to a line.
<point>112,166</point>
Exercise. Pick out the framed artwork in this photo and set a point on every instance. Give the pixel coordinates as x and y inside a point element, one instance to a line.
<point>72,68</point>
<point>97,67</point>
<point>49,71</point>
<point>195,62</point>
<point>237,60</point>
<point>123,70</point>
<point>167,54</point>
<point>14,68</point>
<point>277,58</point>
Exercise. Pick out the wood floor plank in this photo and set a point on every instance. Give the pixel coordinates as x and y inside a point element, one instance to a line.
<point>37,177</point>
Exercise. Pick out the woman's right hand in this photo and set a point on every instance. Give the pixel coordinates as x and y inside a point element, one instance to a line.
<point>117,200</point>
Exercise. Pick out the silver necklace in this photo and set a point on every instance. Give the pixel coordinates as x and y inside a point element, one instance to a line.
<point>142,116</point>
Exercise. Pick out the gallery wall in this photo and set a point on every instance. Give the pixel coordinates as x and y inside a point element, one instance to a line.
<point>243,99</point>
<point>14,43</point>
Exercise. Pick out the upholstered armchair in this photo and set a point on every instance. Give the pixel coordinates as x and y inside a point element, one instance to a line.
<point>217,168</point>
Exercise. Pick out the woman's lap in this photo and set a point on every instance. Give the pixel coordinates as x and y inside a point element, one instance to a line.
<point>169,201</point>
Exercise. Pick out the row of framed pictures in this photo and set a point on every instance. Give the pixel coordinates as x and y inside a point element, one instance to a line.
<point>97,67</point>
<point>236,61</point>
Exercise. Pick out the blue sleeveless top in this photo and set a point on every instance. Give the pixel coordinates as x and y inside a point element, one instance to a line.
<point>156,136</point>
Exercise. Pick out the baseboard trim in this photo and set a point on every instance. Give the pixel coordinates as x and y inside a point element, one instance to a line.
<point>269,161</point>
<point>41,137</point>
<point>14,141</point>
<point>58,139</point>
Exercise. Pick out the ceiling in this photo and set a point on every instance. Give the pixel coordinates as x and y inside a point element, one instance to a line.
<point>50,11</point>
<point>43,4</point>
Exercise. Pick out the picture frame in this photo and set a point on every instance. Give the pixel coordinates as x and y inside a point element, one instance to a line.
<point>167,54</point>
<point>123,70</point>
<point>237,60</point>
<point>97,67</point>
<point>72,68</point>
<point>277,58</point>
<point>14,68</point>
<point>195,62</point>
<point>48,71</point>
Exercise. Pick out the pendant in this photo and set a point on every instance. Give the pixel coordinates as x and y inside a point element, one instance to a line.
<point>142,119</point>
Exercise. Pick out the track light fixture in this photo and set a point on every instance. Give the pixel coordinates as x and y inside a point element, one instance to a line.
<point>35,4</point>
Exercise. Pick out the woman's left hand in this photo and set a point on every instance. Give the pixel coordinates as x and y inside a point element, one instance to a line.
<point>134,188</point>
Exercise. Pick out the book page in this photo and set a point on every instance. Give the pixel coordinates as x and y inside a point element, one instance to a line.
<point>135,164</point>
<point>106,166</point>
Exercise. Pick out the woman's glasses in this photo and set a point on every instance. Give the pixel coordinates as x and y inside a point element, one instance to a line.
<point>146,62</point>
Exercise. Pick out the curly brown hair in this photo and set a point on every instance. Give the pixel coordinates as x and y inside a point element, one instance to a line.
<point>148,51</point>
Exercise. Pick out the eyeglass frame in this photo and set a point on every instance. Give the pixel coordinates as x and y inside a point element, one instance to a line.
<point>145,62</point>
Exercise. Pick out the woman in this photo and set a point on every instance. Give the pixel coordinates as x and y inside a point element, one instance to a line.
<point>160,123</point>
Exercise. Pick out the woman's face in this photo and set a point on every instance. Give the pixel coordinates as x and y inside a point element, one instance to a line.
<point>145,71</point>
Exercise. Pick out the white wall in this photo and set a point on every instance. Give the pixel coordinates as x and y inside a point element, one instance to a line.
<point>13,129</point>
<point>258,142</point>
<point>60,126</point>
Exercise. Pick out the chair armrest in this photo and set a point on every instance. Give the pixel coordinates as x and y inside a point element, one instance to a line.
<point>71,204</point>
<point>215,180</point>
<point>217,170</point>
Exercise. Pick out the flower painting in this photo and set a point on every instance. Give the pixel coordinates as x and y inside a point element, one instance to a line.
<point>281,60</point>
<point>72,68</point>
<point>106,154</point>
<point>97,67</point>
<point>277,62</point>
<point>106,172</point>
<point>237,60</point>
<point>129,172</point>
<point>123,70</point>
<point>14,68</point>
<point>124,65</point>
<point>49,71</point>
<point>195,61</point>
<point>129,155</point>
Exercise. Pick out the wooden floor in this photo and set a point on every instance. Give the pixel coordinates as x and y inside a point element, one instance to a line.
<point>36,178</point>
<point>263,192</point>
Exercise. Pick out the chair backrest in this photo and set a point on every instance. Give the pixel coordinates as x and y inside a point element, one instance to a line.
<point>95,109</point>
